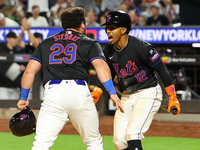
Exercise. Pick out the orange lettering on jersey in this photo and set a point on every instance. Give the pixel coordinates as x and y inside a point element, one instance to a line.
<point>75,38</point>
<point>55,38</point>
<point>62,36</point>
<point>66,37</point>
<point>69,37</point>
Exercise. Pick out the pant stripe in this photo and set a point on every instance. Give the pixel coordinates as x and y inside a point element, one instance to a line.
<point>148,114</point>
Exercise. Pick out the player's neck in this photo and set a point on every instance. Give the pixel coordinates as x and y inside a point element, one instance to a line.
<point>82,31</point>
<point>72,29</point>
<point>122,43</point>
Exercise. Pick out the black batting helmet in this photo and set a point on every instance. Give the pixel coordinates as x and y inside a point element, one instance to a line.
<point>23,123</point>
<point>118,18</point>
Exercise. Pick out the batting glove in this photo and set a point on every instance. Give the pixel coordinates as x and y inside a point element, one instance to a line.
<point>173,101</point>
<point>96,93</point>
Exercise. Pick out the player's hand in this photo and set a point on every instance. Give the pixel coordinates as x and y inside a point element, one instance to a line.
<point>22,104</point>
<point>173,102</point>
<point>117,102</point>
<point>96,93</point>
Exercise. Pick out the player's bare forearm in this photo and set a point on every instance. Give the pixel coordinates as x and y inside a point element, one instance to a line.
<point>102,69</point>
<point>104,75</point>
<point>27,80</point>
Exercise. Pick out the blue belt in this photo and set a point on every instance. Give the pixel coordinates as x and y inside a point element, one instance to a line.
<point>79,82</point>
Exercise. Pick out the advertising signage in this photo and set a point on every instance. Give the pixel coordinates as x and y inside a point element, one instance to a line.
<point>181,35</point>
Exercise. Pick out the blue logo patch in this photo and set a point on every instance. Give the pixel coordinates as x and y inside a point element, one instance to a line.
<point>154,57</point>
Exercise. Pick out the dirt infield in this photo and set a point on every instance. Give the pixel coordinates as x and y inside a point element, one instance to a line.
<point>158,128</point>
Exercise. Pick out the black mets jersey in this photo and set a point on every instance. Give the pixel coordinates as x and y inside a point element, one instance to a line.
<point>67,55</point>
<point>134,65</point>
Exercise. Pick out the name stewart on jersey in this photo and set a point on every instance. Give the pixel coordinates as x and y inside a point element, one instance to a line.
<point>67,55</point>
<point>66,36</point>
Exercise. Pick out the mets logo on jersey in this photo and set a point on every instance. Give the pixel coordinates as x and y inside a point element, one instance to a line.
<point>154,57</point>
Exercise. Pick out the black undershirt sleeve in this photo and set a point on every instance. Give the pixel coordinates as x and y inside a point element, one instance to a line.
<point>164,74</point>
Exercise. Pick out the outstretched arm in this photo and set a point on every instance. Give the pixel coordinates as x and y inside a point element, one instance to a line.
<point>104,75</point>
<point>27,80</point>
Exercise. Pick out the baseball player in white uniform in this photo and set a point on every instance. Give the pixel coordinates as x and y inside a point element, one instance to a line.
<point>64,59</point>
<point>134,62</point>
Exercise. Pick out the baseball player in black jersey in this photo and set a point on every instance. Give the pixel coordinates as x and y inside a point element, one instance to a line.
<point>64,59</point>
<point>135,61</point>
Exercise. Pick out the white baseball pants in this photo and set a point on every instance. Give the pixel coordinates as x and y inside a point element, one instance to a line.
<point>63,102</point>
<point>139,110</point>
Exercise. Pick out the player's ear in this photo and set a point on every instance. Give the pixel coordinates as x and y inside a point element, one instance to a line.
<point>82,25</point>
<point>82,28</point>
<point>123,30</point>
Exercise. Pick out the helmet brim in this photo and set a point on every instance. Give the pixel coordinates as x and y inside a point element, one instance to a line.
<point>110,23</point>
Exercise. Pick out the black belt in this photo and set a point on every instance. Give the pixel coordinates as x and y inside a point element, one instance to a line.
<point>79,82</point>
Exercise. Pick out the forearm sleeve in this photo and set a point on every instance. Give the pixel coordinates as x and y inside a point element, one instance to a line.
<point>164,74</point>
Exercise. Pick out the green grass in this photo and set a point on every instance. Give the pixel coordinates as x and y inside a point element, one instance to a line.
<point>73,142</point>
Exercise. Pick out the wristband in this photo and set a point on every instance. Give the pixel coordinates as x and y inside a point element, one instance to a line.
<point>24,94</point>
<point>109,87</point>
